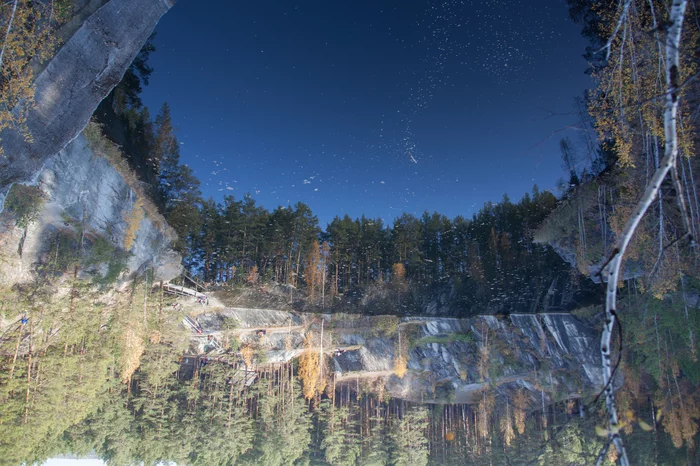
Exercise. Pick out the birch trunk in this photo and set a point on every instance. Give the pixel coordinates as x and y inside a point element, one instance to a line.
<point>677,13</point>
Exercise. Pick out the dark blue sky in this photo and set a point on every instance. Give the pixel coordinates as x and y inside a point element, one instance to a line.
<point>374,107</point>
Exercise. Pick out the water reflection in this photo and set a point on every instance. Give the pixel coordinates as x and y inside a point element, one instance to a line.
<point>121,377</point>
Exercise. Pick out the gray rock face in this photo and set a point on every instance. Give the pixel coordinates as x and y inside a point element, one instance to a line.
<point>74,82</point>
<point>551,356</point>
<point>556,351</point>
<point>87,189</point>
<point>247,318</point>
<point>588,206</point>
<point>631,269</point>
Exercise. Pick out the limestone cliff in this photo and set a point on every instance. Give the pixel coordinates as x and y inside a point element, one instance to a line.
<point>551,356</point>
<point>90,63</point>
<point>583,228</point>
<point>83,193</point>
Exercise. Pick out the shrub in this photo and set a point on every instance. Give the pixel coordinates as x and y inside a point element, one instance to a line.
<point>25,203</point>
<point>100,252</point>
<point>386,326</point>
<point>229,323</point>
<point>261,355</point>
<point>115,266</point>
<point>104,252</point>
<point>233,343</point>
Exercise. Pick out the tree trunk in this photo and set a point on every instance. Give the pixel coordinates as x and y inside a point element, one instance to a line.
<point>677,12</point>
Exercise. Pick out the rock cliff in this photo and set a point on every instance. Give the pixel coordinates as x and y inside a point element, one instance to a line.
<point>90,63</point>
<point>83,193</point>
<point>551,356</point>
<point>555,352</point>
<point>581,228</point>
<point>87,198</point>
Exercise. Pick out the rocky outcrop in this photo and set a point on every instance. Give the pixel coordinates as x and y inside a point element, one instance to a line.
<point>555,351</point>
<point>551,356</point>
<point>549,289</point>
<point>580,229</point>
<point>86,189</point>
<point>86,197</point>
<point>68,90</point>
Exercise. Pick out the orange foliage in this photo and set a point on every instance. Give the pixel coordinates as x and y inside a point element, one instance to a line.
<point>253,275</point>
<point>625,104</point>
<point>400,357</point>
<point>30,38</point>
<point>133,221</point>
<point>132,349</point>
<point>398,271</point>
<point>485,412</point>
<point>400,366</point>
<point>247,353</point>
<point>681,415</point>
<point>309,369</point>
<point>313,272</point>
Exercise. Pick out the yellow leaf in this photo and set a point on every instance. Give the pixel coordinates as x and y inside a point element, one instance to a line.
<point>645,426</point>
<point>618,427</point>
<point>599,431</point>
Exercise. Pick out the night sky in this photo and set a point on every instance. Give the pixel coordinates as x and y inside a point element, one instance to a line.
<point>374,107</point>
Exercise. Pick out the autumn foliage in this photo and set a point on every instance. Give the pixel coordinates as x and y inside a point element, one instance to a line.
<point>400,357</point>
<point>30,38</point>
<point>506,426</point>
<point>247,354</point>
<point>520,410</point>
<point>310,369</point>
<point>398,271</point>
<point>252,276</point>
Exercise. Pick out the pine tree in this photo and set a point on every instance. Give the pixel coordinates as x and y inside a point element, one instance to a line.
<point>409,445</point>
<point>178,186</point>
